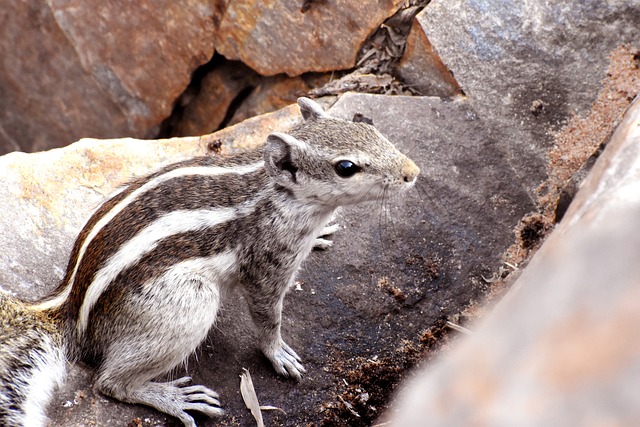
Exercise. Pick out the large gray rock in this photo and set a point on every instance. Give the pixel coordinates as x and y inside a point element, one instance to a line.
<point>562,348</point>
<point>527,66</point>
<point>396,268</point>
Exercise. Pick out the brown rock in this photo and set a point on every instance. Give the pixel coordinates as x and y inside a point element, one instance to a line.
<point>562,348</point>
<point>95,69</point>
<point>274,37</point>
<point>276,92</point>
<point>421,69</point>
<point>206,109</point>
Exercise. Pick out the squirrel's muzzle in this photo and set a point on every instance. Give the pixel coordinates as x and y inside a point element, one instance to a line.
<point>410,171</point>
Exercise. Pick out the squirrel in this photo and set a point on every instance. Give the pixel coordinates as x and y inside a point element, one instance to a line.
<point>146,273</point>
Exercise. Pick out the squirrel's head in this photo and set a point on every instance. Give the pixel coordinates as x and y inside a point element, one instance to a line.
<point>336,162</point>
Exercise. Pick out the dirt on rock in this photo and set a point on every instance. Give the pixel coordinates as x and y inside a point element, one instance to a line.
<point>370,384</point>
<point>576,148</point>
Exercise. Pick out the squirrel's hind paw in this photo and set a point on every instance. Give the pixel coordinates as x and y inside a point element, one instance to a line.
<point>175,398</point>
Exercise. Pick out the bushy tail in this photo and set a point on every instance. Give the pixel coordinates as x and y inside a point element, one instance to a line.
<point>32,363</point>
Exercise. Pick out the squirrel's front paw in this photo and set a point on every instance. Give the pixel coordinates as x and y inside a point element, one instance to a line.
<point>322,242</point>
<point>285,361</point>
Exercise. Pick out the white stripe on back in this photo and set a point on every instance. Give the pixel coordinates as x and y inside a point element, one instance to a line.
<point>120,206</point>
<point>145,241</point>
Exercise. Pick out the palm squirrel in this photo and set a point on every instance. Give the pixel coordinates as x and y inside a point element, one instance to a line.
<point>146,273</point>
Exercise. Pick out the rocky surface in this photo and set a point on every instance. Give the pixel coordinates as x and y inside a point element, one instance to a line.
<point>94,62</point>
<point>86,69</point>
<point>204,106</point>
<point>527,66</point>
<point>561,348</point>
<point>516,79</point>
<point>297,37</point>
<point>520,70</point>
<point>105,70</point>
<point>396,270</point>
<point>420,68</point>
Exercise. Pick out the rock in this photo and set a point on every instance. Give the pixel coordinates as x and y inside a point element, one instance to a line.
<point>578,144</point>
<point>97,69</point>
<point>611,186</point>
<point>509,56</point>
<point>396,268</point>
<point>561,349</point>
<point>206,107</point>
<point>422,70</point>
<point>298,37</point>
<point>273,93</point>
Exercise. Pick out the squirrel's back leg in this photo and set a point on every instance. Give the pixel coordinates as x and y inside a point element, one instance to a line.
<point>172,317</point>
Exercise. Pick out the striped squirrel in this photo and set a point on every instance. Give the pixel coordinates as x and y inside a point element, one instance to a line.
<point>146,274</point>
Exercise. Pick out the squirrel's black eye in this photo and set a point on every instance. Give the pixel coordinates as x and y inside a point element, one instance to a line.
<point>345,168</point>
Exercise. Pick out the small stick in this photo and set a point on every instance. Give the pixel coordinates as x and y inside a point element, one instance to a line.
<point>459,328</point>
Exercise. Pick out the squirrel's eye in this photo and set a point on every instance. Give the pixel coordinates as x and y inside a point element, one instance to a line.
<point>345,168</point>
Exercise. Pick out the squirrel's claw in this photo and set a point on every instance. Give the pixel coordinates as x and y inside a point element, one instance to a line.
<point>286,362</point>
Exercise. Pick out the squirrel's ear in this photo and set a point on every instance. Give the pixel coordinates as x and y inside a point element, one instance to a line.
<point>310,109</point>
<point>280,158</point>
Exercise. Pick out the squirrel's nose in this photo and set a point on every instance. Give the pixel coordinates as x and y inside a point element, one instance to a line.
<point>410,171</point>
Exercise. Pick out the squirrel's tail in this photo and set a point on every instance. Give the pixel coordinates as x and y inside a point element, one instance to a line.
<point>32,363</point>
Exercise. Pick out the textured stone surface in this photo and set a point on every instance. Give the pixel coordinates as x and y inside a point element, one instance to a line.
<point>562,348</point>
<point>396,268</point>
<point>325,37</point>
<point>273,93</point>
<point>230,93</point>
<point>205,108</point>
<point>95,69</point>
<point>429,249</point>
<point>508,56</point>
<point>421,69</point>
